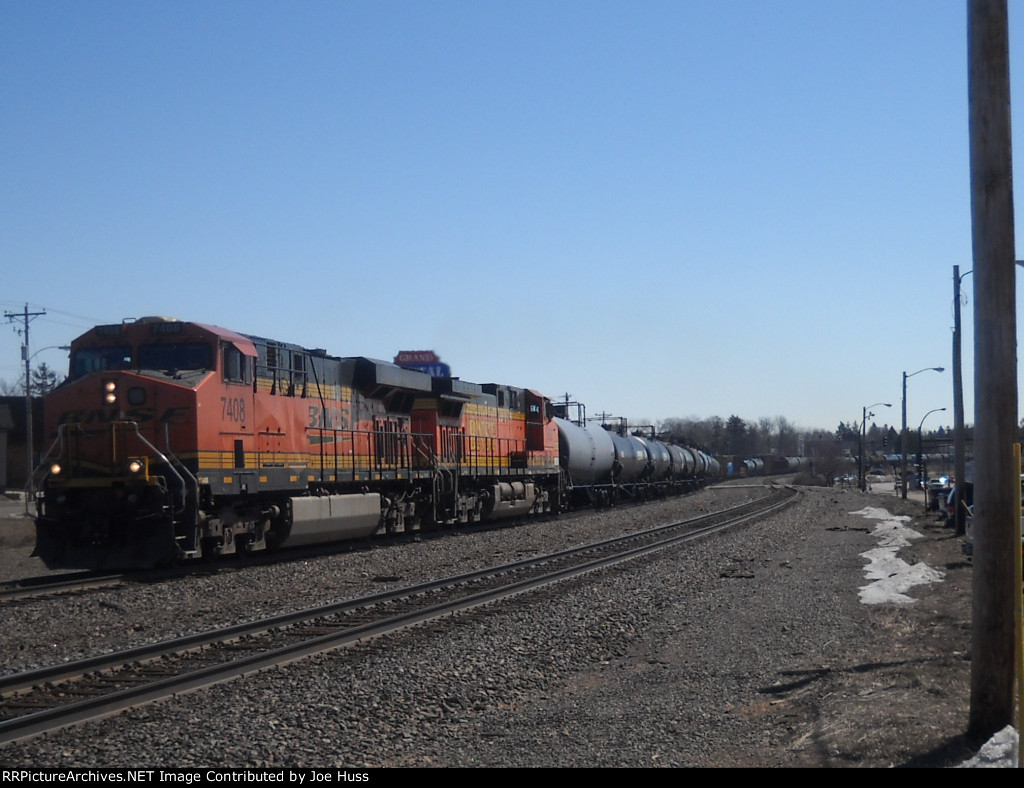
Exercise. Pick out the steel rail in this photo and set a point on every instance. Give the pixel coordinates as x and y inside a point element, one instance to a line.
<point>27,726</point>
<point>11,590</point>
<point>19,682</point>
<point>16,590</point>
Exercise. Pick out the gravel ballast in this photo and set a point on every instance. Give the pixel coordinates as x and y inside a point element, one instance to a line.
<point>715,654</point>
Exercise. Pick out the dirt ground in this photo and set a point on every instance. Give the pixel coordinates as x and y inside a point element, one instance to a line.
<point>906,701</point>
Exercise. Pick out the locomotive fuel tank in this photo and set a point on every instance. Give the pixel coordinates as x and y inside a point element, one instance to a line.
<point>509,499</point>
<point>329,518</point>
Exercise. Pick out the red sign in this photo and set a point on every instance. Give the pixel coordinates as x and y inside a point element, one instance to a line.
<point>406,357</point>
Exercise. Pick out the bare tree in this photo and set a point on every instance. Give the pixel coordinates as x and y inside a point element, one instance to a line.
<point>786,436</point>
<point>829,460</point>
<point>764,432</point>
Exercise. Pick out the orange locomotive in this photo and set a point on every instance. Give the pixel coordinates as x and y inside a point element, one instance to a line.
<point>174,440</point>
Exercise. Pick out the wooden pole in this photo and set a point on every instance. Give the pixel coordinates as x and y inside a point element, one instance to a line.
<point>996,480</point>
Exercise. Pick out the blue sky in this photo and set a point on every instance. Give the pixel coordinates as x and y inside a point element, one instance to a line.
<point>665,209</point>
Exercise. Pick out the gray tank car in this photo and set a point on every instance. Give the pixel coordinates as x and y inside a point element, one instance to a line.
<point>659,458</point>
<point>704,466</point>
<point>683,462</point>
<point>601,465</point>
<point>630,457</point>
<point>587,453</point>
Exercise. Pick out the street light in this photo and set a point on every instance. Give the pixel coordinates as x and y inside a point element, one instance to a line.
<point>959,441</point>
<point>861,478</point>
<point>921,469</point>
<point>903,435</point>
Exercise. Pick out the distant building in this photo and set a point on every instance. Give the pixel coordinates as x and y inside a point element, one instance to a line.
<point>6,426</point>
<point>13,437</point>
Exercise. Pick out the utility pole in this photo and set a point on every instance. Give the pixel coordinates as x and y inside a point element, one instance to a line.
<point>26,317</point>
<point>959,442</point>
<point>996,473</point>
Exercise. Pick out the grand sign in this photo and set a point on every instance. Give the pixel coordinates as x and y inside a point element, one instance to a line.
<point>423,361</point>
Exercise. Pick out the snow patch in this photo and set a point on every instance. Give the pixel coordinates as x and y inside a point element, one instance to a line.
<point>892,575</point>
<point>999,752</point>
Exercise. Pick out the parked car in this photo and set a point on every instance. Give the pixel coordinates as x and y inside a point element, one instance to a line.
<point>935,489</point>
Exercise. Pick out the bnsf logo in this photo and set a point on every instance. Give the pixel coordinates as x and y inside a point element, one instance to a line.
<point>138,415</point>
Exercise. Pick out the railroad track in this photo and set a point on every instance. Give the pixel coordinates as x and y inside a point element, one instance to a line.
<point>18,591</point>
<point>39,701</point>
<point>24,590</point>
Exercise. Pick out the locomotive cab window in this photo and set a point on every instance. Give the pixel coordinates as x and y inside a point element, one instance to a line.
<point>176,357</point>
<point>100,359</point>
<point>298,383</point>
<point>235,365</point>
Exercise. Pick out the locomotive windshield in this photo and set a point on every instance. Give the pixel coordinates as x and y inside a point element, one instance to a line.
<point>177,357</point>
<point>100,359</point>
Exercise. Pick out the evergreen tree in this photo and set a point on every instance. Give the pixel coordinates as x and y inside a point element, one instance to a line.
<point>44,380</point>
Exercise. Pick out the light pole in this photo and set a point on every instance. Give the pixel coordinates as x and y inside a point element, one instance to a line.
<point>959,439</point>
<point>861,478</point>
<point>920,467</point>
<point>903,434</point>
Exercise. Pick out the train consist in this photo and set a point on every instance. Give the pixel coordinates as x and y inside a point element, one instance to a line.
<point>766,466</point>
<point>173,440</point>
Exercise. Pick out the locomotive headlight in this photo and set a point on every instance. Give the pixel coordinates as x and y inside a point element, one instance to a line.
<point>136,466</point>
<point>111,392</point>
<point>55,469</point>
